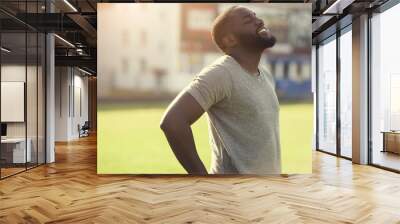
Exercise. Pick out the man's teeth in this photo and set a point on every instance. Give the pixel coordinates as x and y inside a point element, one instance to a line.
<point>262,30</point>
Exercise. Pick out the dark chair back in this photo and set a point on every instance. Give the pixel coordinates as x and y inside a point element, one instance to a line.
<point>86,125</point>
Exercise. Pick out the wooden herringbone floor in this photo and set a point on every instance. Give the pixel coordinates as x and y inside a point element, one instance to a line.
<point>69,191</point>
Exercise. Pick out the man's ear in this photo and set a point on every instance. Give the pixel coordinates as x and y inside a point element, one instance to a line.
<point>229,41</point>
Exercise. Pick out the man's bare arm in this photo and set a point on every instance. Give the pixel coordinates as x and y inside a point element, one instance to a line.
<point>178,118</point>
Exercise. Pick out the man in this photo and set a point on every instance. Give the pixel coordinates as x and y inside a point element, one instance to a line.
<point>239,98</point>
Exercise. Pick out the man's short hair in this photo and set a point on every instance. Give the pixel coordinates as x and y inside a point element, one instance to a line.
<point>219,28</point>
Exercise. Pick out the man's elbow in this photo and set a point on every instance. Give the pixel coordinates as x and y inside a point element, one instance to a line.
<point>164,125</point>
<point>173,124</point>
<point>167,124</point>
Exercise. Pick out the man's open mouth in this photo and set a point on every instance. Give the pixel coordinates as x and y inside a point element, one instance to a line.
<point>262,31</point>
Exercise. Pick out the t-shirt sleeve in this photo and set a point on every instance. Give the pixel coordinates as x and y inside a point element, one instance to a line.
<point>212,85</point>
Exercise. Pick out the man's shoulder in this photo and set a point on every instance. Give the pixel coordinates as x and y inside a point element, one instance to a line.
<point>218,67</point>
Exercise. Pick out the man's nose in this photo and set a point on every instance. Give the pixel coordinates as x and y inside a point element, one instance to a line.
<point>260,22</point>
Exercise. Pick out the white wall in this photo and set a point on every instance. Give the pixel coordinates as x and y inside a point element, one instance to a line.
<point>79,117</point>
<point>70,83</point>
<point>12,73</point>
<point>62,81</point>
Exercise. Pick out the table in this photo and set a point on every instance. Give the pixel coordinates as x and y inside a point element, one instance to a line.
<point>391,141</point>
<point>18,149</point>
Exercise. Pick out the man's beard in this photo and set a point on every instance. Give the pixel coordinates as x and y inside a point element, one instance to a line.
<point>256,42</point>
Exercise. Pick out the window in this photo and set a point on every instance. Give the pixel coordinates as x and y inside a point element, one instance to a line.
<point>327,96</point>
<point>286,71</point>
<point>22,73</point>
<point>299,71</point>
<point>272,68</point>
<point>346,93</point>
<point>385,89</point>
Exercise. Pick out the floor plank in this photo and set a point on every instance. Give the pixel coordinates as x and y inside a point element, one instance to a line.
<point>70,191</point>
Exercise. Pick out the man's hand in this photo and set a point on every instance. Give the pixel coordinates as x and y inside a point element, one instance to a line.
<point>176,122</point>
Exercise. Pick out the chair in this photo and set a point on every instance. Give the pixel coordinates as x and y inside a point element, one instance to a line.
<point>84,130</point>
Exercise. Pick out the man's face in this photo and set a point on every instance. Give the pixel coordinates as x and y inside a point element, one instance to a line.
<point>250,31</point>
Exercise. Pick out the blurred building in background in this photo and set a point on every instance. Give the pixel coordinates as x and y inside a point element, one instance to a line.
<point>152,51</point>
<point>138,47</point>
<point>197,48</point>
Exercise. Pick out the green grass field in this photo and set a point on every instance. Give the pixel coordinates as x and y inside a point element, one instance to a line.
<point>131,142</point>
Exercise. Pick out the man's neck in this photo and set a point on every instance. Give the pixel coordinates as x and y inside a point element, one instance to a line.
<point>248,60</point>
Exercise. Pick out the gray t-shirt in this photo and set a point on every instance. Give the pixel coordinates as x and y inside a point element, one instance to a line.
<point>243,116</point>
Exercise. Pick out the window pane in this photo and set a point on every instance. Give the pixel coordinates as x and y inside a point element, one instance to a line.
<point>31,100</point>
<point>327,96</point>
<point>346,94</point>
<point>14,150</point>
